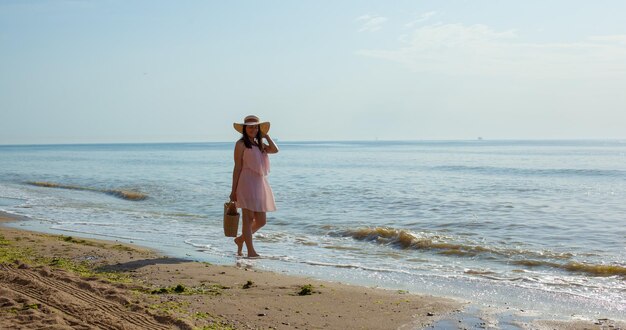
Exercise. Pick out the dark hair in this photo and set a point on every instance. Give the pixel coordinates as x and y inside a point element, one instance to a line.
<point>246,139</point>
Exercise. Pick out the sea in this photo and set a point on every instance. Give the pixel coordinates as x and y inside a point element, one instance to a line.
<point>531,226</point>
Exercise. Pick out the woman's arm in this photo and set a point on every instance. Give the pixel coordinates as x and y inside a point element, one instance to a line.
<point>271,148</point>
<point>239,147</point>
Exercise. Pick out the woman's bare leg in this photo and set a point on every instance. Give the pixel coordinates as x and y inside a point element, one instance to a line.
<point>258,220</point>
<point>239,241</point>
<point>246,231</point>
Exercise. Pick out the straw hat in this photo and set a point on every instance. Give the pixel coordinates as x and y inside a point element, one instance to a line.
<point>264,126</point>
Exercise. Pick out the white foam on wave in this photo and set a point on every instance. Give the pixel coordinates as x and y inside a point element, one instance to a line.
<point>196,245</point>
<point>354,266</point>
<point>91,224</point>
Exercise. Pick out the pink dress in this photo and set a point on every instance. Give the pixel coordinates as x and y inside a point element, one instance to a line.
<point>253,189</point>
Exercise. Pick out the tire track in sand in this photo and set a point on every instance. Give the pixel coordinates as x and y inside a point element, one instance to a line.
<point>101,303</point>
<point>73,321</point>
<point>36,286</point>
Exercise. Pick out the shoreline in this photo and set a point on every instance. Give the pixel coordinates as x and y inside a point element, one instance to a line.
<point>136,283</point>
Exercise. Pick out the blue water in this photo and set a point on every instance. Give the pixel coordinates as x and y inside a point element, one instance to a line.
<point>534,225</point>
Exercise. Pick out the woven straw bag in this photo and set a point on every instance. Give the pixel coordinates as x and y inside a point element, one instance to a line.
<point>231,219</point>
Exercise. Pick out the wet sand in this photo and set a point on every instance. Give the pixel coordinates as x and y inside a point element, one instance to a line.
<point>62,282</point>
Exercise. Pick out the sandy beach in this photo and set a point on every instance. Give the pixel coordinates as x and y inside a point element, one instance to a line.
<point>64,282</point>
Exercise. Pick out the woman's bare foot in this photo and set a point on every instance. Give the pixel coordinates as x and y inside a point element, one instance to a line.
<point>253,255</point>
<point>239,241</point>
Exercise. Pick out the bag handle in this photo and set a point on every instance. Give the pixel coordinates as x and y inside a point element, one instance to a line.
<point>231,207</point>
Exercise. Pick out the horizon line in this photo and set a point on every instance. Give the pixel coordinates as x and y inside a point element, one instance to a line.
<point>326,141</point>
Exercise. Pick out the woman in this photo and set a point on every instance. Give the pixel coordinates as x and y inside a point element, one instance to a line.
<point>251,190</point>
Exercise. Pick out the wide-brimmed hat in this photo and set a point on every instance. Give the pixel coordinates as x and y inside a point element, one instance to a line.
<point>264,126</point>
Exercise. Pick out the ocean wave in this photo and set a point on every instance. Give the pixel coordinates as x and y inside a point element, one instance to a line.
<point>405,239</point>
<point>123,194</point>
<point>478,272</point>
<point>577,267</point>
<point>533,171</point>
<point>90,224</point>
<point>352,266</point>
<point>196,245</point>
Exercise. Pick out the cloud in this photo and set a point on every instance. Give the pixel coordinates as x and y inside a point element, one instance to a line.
<point>371,23</point>
<point>424,17</point>
<point>479,49</point>
<point>616,38</point>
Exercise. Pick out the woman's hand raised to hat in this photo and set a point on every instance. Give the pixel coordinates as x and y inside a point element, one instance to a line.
<point>271,148</point>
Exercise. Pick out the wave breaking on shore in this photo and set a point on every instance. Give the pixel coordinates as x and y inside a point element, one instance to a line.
<point>405,239</point>
<point>119,193</point>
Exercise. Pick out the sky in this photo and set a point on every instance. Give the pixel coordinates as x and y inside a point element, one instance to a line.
<point>183,71</point>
